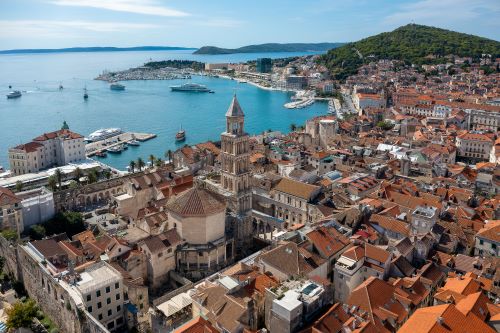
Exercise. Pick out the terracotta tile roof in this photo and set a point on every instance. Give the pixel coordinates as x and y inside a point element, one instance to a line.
<point>64,133</point>
<point>391,224</point>
<point>29,147</point>
<point>443,319</point>
<point>197,325</point>
<point>327,240</point>
<point>7,197</point>
<point>296,188</point>
<point>376,253</point>
<point>196,202</point>
<point>84,237</point>
<point>491,231</point>
<point>475,137</point>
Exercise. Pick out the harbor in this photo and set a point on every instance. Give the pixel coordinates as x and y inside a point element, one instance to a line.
<point>116,144</point>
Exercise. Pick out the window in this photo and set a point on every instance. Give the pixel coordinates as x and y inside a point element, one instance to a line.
<point>481,242</point>
<point>98,293</point>
<point>99,305</point>
<point>100,316</point>
<point>117,297</point>
<point>89,309</point>
<point>493,246</point>
<point>89,297</point>
<point>117,285</point>
<point>108,289</point>
<point>118,308</point>
<point>119,321</point>
<point>111,324</point>
<point>110,312</point>
<point>108,301</point>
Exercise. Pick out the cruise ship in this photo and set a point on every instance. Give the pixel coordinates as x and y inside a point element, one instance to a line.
<point>190,87</point>
<point>102,134</point>
<point>117,86</point>
<point>14,94</point>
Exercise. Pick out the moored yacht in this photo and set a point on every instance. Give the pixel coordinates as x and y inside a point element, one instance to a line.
<point>190,87</point>
<point>180,135</point>
<point>116,86</point>
<point>103,134</point>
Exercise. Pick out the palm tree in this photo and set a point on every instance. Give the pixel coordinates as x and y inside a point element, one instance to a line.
<point>92,176</point>
<point>78,174</point>
<point>107,173</point>
<point>132,166</point>
<point>140,163</point>
<point>158,162</point>
<point>59,176</point>
<point>152,159</point>
<point>52,183</point>
<point>293,127</point>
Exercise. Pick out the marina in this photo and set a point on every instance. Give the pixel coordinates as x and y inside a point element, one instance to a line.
<point>146,106</point>
<point>116,144</point>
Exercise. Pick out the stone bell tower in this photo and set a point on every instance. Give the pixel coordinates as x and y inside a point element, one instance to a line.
<point>235,160</point>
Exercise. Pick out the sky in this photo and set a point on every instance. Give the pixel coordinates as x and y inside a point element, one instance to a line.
<point>228,23</point>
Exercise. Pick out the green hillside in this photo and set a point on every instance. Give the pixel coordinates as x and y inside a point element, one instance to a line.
<point>411,43</point>
<point>270,47</point>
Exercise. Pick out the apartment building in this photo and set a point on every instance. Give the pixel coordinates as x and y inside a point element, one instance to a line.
<point>475,146</point>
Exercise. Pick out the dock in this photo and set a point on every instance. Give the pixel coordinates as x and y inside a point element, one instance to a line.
<point>93,148</point>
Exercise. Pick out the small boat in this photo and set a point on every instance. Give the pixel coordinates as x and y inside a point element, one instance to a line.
<point>211,92</point>
<point>117,86</point>
<point>133,142</point>
<point>14,94</point>
<point>85,93</point>
<point>115,150</point>
<point>61,86</point>
<point>101,154</point>
<point>180,135</point>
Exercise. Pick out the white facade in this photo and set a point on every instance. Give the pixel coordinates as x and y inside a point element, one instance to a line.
<point>101,289</point>
<point>37,206</point>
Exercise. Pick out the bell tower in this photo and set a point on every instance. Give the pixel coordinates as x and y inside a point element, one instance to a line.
<point>235,165</point>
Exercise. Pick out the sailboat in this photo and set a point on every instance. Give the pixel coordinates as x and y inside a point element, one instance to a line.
<point>85,93</point>
<point>180,135</point>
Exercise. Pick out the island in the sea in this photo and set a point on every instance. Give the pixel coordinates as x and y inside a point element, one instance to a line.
<point>270,47</point>
<point>98,49</point>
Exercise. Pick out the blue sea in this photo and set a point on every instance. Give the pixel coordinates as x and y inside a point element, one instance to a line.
<point>145,106</point>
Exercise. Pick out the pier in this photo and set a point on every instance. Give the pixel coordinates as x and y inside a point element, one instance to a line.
<point>96,147</point>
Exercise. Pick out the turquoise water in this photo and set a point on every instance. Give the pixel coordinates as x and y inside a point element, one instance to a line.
<point>145,106</point>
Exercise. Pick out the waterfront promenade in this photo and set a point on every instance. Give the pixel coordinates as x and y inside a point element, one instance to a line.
<point>101,146</point>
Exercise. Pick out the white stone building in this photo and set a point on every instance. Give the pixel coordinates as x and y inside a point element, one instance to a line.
<point>47,150</point>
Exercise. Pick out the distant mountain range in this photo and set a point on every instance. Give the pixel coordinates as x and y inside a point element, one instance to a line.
<point>270,47</point>
<point>98,49</point>
<point>412,43</point>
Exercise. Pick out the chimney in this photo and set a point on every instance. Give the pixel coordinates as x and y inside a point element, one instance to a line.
<point>440,320</point>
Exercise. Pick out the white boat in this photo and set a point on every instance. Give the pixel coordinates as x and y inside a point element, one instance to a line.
<point>190,87</point>
<point>116,86</point>
<point>103,134</point>
<point>14,94</point>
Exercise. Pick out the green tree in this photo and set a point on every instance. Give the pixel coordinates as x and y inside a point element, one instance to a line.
<point>92,176</point>
<point>59,177</point>
<point>158,162</point>
<point>21,314</point>
<point>69,222</point>
<point>152,159</point>
<point>132,166</point>
<point>140,164</point>
<point>52,183</point>
<point>78,174</point>
<point>168,156</point>
<point>107,173</point>
<point>19,186</point>
<point>9,234</point>
<point>385,125</point>
<point>293,127</point>
<point>37,232</point>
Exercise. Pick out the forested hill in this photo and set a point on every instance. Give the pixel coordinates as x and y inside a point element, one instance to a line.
<point>270,47</point>
<point>411,43</point>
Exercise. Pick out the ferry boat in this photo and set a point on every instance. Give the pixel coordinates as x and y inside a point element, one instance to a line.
<point>103,134</point>
<point>117,86</point>
<point>14,94</point>
<point>180,135</point>
<point>190,87</point>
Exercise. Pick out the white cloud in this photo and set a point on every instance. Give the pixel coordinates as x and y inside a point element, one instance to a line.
<point>442,11</point>
<point>54,29</point>
<point>146,7</point>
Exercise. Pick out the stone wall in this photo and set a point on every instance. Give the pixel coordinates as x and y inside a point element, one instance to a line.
<point>8,250</point>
